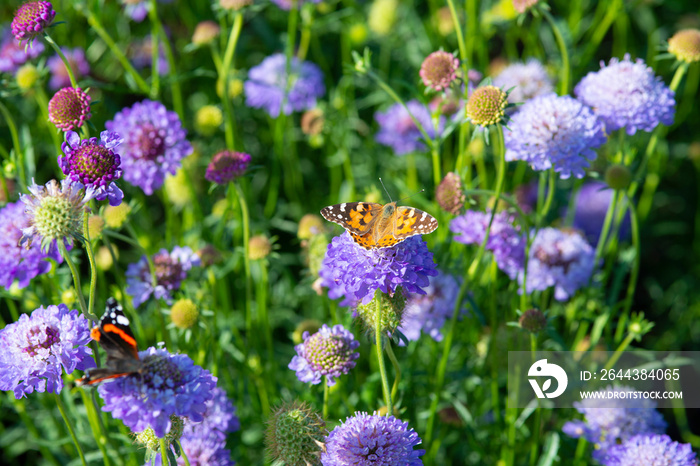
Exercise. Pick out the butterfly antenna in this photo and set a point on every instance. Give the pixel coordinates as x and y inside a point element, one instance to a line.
<point>411,195</point>
<point>385,190</point>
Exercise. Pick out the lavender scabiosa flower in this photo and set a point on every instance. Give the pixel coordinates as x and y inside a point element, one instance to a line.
<point>94,163</point>
<point>356,273</point>
<point>201,450</point>
<point>138,9</point>
<point>55,212</point>
<point>592,203</point>
<point>559,258</point>
<point>31,19</point>
<point>529,80</point>
<point>16,262</point>
<point>69,108</point>
<point>330,352</point>
<point>428,313</point>
<point>170,270</point>
<point>398,130</point>
<point>611,421</point>
<point>650,449</point>
<point>37,348</point>
<point>506,241</point>
<point>267,84</point>
<point>438,70</point>
<point>59,74</point>
<point>366,440</point>
<point>287,4</point>
<point>552,131</point>
<point>628,95</point>
<point>226,166</point>
<point>154,143</point>
<point>13,55</point>
<point>168,384</point>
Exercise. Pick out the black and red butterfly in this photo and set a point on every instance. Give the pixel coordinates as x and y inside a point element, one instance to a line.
<point>115,337</point>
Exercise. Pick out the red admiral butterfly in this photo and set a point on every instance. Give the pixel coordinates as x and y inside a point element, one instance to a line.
<point>115,337</point>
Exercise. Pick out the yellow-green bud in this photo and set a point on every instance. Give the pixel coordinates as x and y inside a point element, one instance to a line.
<point>208,119</point>
<point>27,75</point>
<point>148,438</point>
<point>178,189</point>
<point>382,16</point>
<point>69,297</point>
<point>618,177</point>
<point>309,225</point>
<point>184,314</point>
<point>104,259</point>
<point>95,226</point>
<point>259,247</point>
<point>116,216</point>
<point>391,312</point>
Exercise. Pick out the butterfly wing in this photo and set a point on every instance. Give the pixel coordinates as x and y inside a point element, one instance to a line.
<point>410,221</point>
<point>114,335</point>
<point>356,217</point>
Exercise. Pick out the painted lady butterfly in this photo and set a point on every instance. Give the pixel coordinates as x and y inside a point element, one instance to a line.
<point>375,226</point>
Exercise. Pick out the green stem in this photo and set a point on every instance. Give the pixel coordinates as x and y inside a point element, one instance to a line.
<point>71,431</point>
<point>603,238</point>
<point>618,352</point>
<point>397,368</point>
<point>460,37</point>
<point>155,50</point>
<point>224,72</point>
<point>91,259</point>
<point>435,153</point>
<point>611,11</point>
<point>542,214</point>
<point>565,69</point>
<point>245,218</point>
<point>634,273</point>
<point>163,452</point>
<point>305,39</point>
<point>380,356</point>
<point>326,391</point>
<point>19,154</point>
<point>76,280</point>
<point>58,50</point>
<point>183,455</point>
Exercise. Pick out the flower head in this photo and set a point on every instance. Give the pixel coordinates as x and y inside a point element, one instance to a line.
<point>685,45</point>
<point>55,212</point>
<point>115,216</point>
<point>627,94</point>
<point>259,247</point>
<point>356,273</point>
<point>208,119</point>
<point>611,421</point>
<point>438,70</point>
<point>428,313</point>
<point>486,105</point>
<point>94,163</point>
<point>170,270</point>
<point>16,262</point>
<point>559,258</point>
<point>521,6</point>
<point>168,384</point>
<point>398,130</point>
<point>449,194</point>
<point>529,80</point>
<point>312,122</point>
<point>31,19</point>
<point>295,434</point>
<point>366,440</point>
<point>184,313</point>
<point>154,143</point>
<point>59,74</point>
<point>138,9</point>
<point>592,203</point>
<point>13,55</point>
<point>226,166</point>
<point>310,225</point>
<point>37,348</point>
<point>506,241</point>
<point>330,352</point>
<point>268,82</point>
<point>552,131</point>
<point>69,108</point>
<point>533,320</point>
<point>650,449</point>
<point>205,32</point>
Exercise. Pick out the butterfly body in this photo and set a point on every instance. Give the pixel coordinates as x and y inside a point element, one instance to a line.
<point>115,337</point>
<point>376,226</point>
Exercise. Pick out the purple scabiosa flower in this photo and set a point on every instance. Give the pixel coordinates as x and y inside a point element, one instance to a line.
<point>612,421</point>
<point>138,9</point>
<point>16,262</point>
<point>59,74</point>
<point>170,270</point>
<point>37,348</point>
<point>287,4</point>
<point>398,130</point>
<point>95,163</point>
<point>31,19</point>
<point>354,272</point>
<point>552,131</point>
<point>650,449</point>
<point>506,241</point>
<point>330,352</point>
<point>267,84</point>
<point>168,384</point>
<point>366,440</point>
<point>559,258</point>
<point>226,166</point>
<point>201,450</point>
<point>529,80</point>
<point>219,418</point>
<point>13,55</point>
<point>428,313</point>
<point>140,52</point>
<point>438,70</point>
<point>69,108</point>
<point>592,204</point>
<point>55,212</point>
<point>154,143</point>
<point>627,94</point>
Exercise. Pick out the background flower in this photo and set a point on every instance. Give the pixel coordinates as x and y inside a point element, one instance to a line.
<point>529,80</point>
<point>59,75</point>
<point>398,130</point>
<point>329,353</point>
<point>650,449</point>
<point>13,55</point>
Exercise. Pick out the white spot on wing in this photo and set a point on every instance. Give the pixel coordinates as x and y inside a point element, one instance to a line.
<point>342,207</point>
<point>422,217</point>
<point>122,320</point>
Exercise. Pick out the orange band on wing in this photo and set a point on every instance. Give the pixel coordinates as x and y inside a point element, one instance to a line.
<point>111,328</point>
<point>95,334</point>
